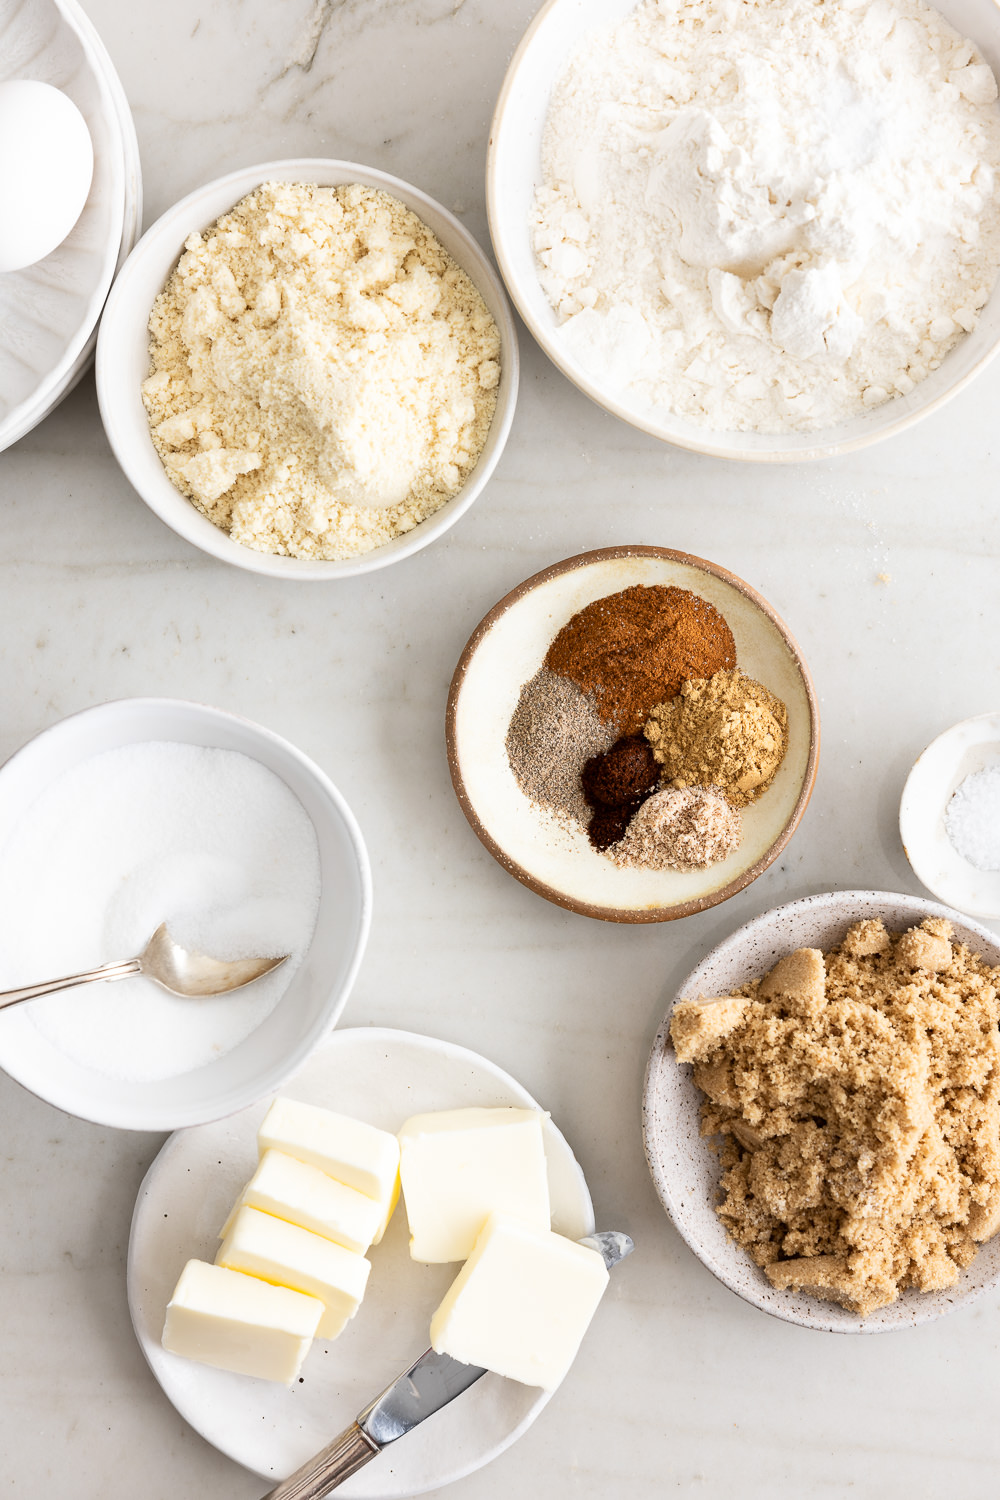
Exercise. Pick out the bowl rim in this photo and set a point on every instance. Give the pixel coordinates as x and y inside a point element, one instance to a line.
<point>114,333</point>
<point>607,401</point>
<point>655,1060</point>
<point>308,1041</point>
<point>627,914</point>
<point>59,380</point>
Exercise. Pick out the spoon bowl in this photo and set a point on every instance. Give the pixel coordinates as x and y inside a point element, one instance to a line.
<point>172,967</point>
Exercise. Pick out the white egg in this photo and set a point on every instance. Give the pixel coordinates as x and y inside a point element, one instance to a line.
<point>46,166</point>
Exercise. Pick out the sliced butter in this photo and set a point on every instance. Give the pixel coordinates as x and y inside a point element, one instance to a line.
<point>282,1253</point>
<point>459,1166</point>
<point>235,1322</point>
<point>521,1303</point>
<point>304,1195</point>
<point>349,1150</point>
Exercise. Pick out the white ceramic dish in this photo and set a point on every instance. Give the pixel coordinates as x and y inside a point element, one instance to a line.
<point>51,394</point>
<point>313,1001</point>
<point>969,746</point>
<point>514,171</point>
<point>123,362</point>
<point>381,1076</point>
<point>49,311</point>
<point>506,650</point>
<point>686,1172</point>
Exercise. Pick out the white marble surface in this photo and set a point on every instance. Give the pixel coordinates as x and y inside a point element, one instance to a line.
<point>884,565</point>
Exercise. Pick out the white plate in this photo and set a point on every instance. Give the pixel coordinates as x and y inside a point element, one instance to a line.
<point>969,746</point>
<point>381,1076</point>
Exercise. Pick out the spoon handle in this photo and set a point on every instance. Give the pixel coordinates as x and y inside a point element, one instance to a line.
<point>90,976</point>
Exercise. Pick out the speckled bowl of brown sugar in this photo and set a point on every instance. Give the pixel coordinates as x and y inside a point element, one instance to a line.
<point>685,1168</point>
<point>551,854</point>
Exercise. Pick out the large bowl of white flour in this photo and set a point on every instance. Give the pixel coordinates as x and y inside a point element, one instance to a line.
<point>764,230</point>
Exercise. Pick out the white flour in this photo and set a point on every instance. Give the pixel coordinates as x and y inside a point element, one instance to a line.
<point>769,214</point>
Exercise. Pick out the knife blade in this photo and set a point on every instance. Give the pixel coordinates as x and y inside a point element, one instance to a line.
<point>431,1382</point>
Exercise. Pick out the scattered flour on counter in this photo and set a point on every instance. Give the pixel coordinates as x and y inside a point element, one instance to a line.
<point>210,842</point>
<point>769,214</point>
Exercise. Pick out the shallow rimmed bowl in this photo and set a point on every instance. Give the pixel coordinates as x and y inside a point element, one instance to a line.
<point>309,1007</point>
<point>506,650</point>
<point>49,311</point>
<point>123,361</point>
<point>967,747</point>
<point>685,1171</point>
<point>513,172</point>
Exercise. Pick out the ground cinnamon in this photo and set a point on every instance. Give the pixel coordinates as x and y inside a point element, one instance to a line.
<point>634,649</point>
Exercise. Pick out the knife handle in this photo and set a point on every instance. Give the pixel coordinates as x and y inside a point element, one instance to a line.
<point>338,1461</point>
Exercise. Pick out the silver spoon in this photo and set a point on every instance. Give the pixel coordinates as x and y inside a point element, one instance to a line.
<point>168,965</point>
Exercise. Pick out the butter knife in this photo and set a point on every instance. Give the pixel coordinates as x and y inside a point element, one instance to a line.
<point>430,1383</point>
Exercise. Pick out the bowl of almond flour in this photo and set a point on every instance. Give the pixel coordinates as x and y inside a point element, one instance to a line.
<point>766,231</point>
<point>308,369</point>
<point>633,734</point>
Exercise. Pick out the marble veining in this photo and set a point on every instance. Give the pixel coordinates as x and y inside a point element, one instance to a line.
<point>884,566</point>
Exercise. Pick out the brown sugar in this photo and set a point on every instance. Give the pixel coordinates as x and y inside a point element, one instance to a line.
<point>858,1097</point>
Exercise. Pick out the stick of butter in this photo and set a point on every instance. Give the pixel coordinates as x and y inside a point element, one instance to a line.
<point>350,1150</point>
<point>282,1253</point>
<point>220,1317</point>
<point>458,1166</point>
<point>521,1303</point>
<point>304,1195</point>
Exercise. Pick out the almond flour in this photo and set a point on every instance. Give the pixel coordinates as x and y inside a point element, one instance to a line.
<point>323,374</point>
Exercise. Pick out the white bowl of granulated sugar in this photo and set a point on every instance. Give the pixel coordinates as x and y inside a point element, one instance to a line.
<point>734,229</point>
<point>149,811</point>
<point>289,449</point>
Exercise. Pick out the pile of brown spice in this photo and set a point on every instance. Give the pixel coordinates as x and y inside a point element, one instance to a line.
<point>858,1093</point>
<point>639,691</point>
<point>635,648</point>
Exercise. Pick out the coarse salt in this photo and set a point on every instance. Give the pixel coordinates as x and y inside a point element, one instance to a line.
<point>972,818</point>
<point>210,842</point>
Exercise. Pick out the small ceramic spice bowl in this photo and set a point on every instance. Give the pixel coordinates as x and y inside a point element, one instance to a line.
<point>970,746</point>
<point>684,1168</point>
<point>554,858</point>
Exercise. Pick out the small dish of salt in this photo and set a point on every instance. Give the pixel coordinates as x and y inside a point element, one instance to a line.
<point>949,816</point>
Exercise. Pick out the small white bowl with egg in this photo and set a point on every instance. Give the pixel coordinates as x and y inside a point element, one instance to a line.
<point>202,1080</point>
<point>514,172</point>
<point>123,363</point>
<point>72,215</point>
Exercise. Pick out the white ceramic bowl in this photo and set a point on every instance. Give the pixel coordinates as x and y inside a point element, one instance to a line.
<point>313,1001</point>
<point>514,171</point>
<point>506,650</point>
<point>49,311</point>
<point>686,1172</point>
<point>963,749</point>
<point>123,361</point>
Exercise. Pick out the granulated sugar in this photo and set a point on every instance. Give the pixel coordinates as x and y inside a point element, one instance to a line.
<point>555,728</point>
<point>210,842</point>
